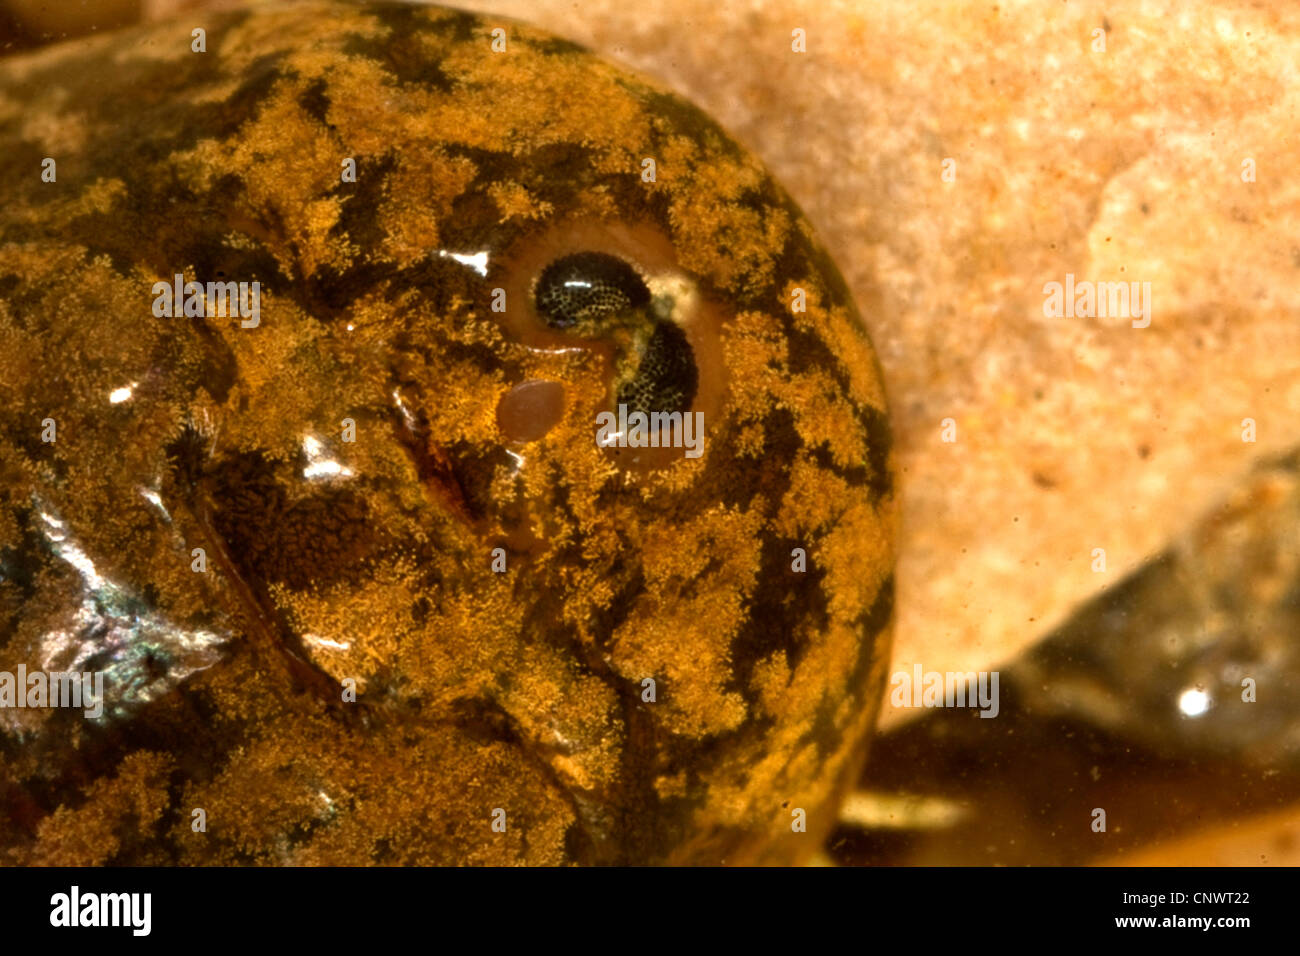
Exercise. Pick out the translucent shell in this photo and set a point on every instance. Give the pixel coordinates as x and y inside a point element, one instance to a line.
<point>434,559</point>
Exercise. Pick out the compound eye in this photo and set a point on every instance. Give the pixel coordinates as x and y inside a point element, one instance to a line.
<point>583,288</point>
<point>666,377</point>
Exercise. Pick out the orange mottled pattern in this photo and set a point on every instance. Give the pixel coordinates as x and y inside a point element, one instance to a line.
<point>404,626</point>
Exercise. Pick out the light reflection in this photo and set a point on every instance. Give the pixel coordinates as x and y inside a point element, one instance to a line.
<point>1193,702</point>
<point>318,466</point>
<point>153,499</point>
<point>141,653</point>
<point>317,641</point>
<point>69,552</point>
<point>477,262</point>
<point>119,395</point>
<point>407,418</point>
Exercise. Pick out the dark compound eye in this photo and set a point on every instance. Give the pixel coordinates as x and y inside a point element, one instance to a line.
<point>588,286</point>
<point>666,377</point>
<point>654,366</point>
